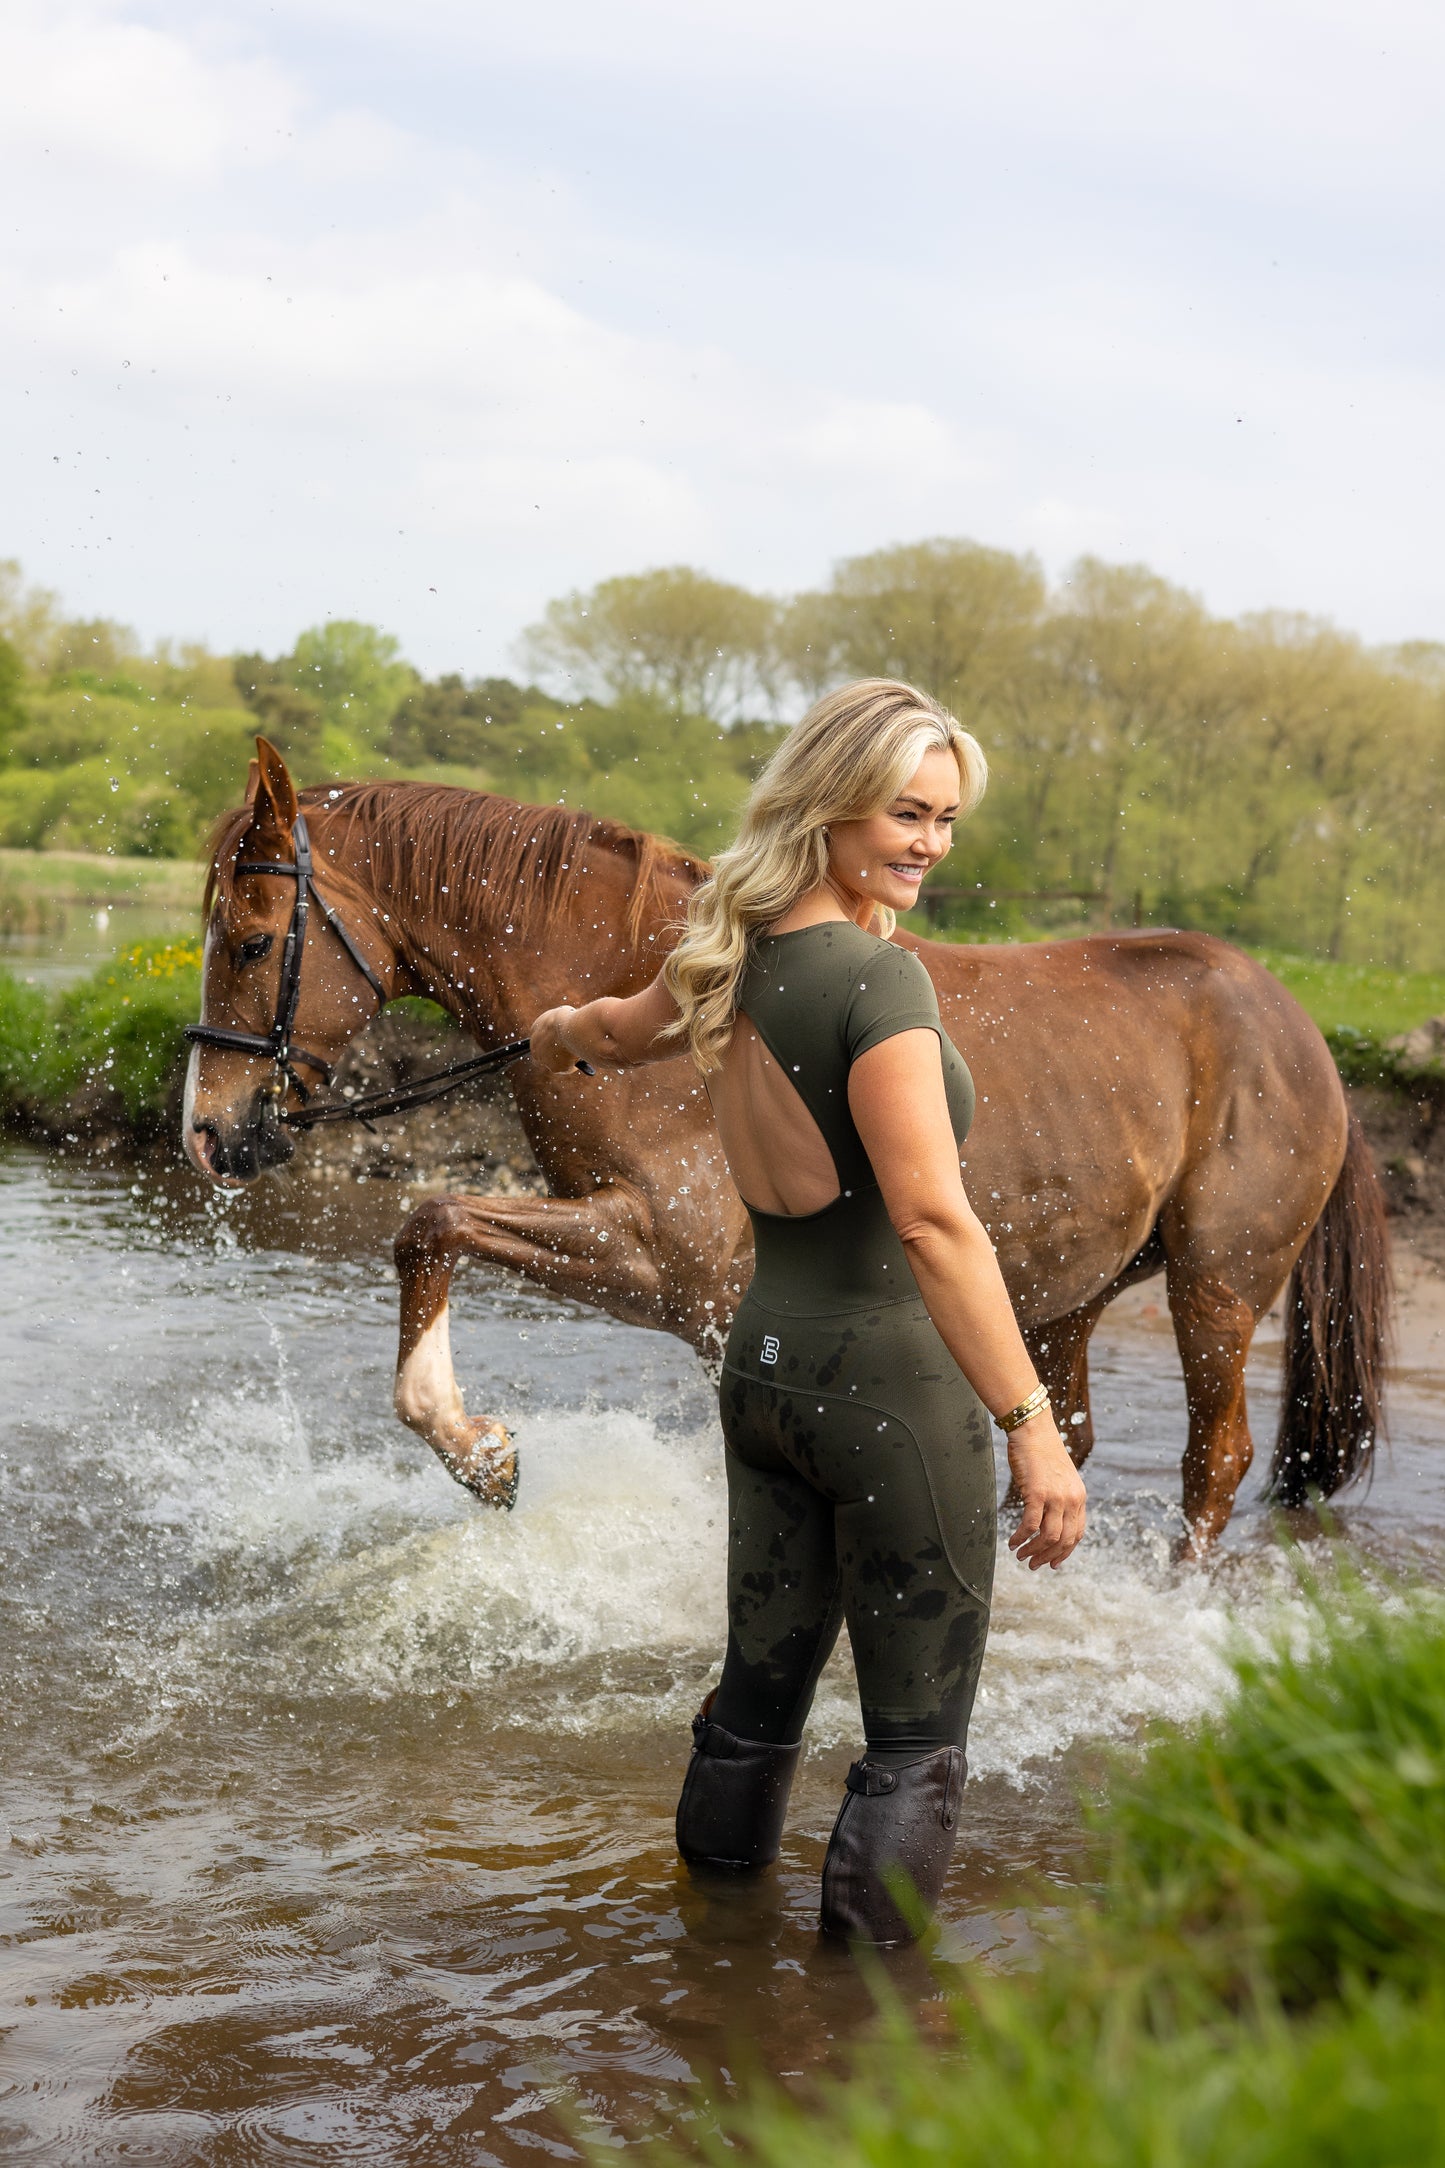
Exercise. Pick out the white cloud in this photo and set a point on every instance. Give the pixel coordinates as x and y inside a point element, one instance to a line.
<point>115,97</point>
<point>430,314</point>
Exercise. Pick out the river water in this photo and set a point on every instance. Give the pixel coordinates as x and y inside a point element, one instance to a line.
<point>338,1809</point>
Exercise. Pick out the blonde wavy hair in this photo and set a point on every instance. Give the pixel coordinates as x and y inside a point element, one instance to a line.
<point>849,757</point>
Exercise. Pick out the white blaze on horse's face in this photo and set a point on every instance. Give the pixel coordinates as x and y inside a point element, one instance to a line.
<point>285,987</point>
<point>220,1124</point>
<point>196,1143</point>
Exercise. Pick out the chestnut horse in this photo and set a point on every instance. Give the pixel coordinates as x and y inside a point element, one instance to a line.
<point>1147,1102</point>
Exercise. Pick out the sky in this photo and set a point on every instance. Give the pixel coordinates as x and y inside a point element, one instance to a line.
<point>425,313</point>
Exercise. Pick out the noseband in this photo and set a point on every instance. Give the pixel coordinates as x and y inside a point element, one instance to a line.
<point>277,1042</point>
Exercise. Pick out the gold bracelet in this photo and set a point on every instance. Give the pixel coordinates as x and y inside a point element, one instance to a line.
<point>1037,1401</point>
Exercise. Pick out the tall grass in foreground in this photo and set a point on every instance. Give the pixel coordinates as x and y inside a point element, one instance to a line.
<point>1257,1979</point>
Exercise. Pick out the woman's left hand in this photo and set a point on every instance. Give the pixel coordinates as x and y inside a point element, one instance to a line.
<point>1052,1492</point>
<point>550,1051</point>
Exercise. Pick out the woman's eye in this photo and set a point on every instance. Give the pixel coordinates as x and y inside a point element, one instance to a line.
<point>256,947</point>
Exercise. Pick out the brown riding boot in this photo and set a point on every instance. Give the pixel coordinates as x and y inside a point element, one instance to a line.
<point>894,1824</point>
<point>734,1797</point>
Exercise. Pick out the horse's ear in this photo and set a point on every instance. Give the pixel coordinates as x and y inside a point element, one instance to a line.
<point>275,801</point>
<point>253,781</point>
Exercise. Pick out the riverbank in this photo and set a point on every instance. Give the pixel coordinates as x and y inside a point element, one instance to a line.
<point>97,1067</point>
<point>90,880</point>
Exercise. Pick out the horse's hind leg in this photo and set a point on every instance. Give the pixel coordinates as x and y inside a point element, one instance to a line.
<point>1060,1349</point>
<point>1213,1325</point>
<point>595,1248</point>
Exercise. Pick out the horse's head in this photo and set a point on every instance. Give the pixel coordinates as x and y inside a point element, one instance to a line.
<point>280,996</point>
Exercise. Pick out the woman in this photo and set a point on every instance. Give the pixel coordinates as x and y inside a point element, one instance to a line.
<point>877,1334</point>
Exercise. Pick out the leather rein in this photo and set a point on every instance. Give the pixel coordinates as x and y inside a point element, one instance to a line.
<point>277,1043</point>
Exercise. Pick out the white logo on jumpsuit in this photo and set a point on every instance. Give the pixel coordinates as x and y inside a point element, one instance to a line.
<point>770,1349</point>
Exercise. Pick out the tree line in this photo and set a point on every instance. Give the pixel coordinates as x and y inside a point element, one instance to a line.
<point>1267,777</point>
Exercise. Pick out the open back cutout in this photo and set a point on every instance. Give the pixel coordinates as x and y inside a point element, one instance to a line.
<point>778,1155</point>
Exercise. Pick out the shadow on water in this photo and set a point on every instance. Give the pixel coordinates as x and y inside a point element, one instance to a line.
<point>339,1811</point>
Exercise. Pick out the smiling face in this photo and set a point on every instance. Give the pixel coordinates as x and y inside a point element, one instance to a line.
<point>882,859</point>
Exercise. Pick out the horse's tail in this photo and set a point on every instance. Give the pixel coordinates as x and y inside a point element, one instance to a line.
<point>1337,1312</point>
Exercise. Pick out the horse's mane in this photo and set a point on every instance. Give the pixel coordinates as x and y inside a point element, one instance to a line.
<point>421,839</point>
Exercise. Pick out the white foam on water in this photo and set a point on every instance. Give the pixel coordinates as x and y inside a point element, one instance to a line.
<point>616,1549</point>
<point>1120,1635</point>
<point>239,1478</point>
<point>599,1603</point>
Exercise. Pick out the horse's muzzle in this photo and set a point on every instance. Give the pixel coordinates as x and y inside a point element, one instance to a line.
<point>242,1153</point>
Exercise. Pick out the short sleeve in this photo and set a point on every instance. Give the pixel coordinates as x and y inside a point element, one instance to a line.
<point>891,993</point>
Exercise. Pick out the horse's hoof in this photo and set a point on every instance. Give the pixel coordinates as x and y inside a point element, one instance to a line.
<point>489,1470</point>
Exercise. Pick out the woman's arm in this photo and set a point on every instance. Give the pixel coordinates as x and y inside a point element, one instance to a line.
<point>898,1102</point>
<point>622,1031</point>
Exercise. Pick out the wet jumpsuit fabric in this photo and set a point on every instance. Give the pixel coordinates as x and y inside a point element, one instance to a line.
<point>859,1459</point>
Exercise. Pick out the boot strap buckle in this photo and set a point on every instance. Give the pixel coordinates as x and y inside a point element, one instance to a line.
<point>872,1782</point>
<point>953,1789</point>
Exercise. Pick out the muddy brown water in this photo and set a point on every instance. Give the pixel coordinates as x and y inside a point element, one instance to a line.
<point>338,1809</point>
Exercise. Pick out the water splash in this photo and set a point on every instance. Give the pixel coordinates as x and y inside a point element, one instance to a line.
<point>351,1565</point>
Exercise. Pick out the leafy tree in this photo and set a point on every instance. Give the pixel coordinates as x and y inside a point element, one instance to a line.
<point>694,643</point>
<point>1129,647</point>
<point>1268,778</point>
<point>1423,660</point>
<point>29,616</point>
<point>355,674</point>
<point>952,617</point>
<point>447,722</point>
<point>292,720</point>
<point>12,685</point>
<point>637,761</point>
<point>97,645</point>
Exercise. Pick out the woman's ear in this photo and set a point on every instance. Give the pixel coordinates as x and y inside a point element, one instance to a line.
<point>275,801</point>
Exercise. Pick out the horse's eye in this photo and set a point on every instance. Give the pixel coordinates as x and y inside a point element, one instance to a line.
<point>258,946</point>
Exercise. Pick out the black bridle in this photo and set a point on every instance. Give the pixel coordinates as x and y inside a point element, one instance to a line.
<point>276,1043</point>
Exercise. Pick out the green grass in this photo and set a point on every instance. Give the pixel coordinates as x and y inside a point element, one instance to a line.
<point>1256,1977</point>
<point>89,879</point>
<point>23,1024</point>
<point>1358,2087</point>
<point>1377,1003</point>
<point>114,1037</point>
<point>113,1042</point>
<point>1300,1837</point>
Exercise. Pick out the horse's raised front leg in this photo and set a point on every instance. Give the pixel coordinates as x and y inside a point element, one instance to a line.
<point>597,1249</point>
